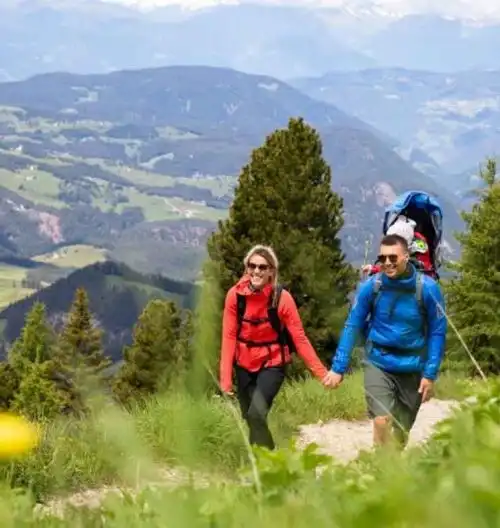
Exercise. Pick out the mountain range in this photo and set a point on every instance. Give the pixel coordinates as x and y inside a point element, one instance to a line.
<point>144,162</point>
<point>454,118</point>
<point>282,41</point>
<point>123,152</point>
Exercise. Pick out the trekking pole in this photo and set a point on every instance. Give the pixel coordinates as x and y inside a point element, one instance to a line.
<point>362,275</point>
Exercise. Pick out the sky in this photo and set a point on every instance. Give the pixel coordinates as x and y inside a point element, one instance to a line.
<point>463,8</point>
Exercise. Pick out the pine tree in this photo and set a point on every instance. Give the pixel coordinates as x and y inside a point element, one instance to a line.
<point>153,360</point>
<point>80,356</point>
<point>32,360</point>
<point>37,397</point>
<point>474,296</point>
<point>35,344</point>
<point>284,199</point>
<point>81,340</point>
<point>9,385</point>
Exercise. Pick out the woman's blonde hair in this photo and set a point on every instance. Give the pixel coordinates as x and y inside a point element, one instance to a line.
<point>267,253</point>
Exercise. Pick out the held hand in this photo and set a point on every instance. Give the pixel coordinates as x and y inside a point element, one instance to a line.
<point>332,380</point>
<point>226,391</point>
<point>426,389</point>
<point>366,268</point>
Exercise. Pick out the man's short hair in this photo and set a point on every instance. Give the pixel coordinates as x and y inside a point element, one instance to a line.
<point>395,240</point>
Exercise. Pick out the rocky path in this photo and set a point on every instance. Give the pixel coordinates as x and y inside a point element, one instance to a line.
<point>340,439</point>
<point>344,439</point>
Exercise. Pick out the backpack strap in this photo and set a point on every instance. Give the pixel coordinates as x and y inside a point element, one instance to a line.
<point>241,304</point>
<point>272,310</point>
<point>419,294</point>
<point>419,286</point>
<point>377,288</point>
<point>274,319</point>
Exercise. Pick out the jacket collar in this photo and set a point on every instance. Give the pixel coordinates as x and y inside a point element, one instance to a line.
<point>407,281</point>
<point>244,287</point>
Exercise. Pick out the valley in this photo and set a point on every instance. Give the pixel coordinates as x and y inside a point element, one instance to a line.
<point>137,167</point>
<point>130,165</point>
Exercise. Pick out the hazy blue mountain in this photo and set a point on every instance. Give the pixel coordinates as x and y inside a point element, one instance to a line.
<point>453,118</point>
<point>283,41</point>
<point>278,41</point>
<point>431,42</point>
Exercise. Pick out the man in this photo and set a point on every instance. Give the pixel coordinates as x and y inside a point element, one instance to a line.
<point>405,341</point>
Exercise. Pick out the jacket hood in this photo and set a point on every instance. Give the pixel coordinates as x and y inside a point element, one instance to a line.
<point>243,287</point>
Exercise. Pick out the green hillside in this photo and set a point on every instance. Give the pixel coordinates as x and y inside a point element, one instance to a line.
<point>117,296</point>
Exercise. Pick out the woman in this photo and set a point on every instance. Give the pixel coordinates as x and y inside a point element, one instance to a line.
<point>253,346</point>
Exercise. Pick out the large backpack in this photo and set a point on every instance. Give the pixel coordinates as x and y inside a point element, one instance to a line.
<point>426,212</point>
<point>378,287</point>
<point>283,335</point>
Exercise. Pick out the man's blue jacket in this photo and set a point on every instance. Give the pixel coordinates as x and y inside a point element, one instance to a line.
<point>401,335</point>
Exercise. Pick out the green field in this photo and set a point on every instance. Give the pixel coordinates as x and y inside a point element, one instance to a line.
<point>219,185</point>
<point>77,256</point>
<point>37,186</point>
<point>11,289</point>
<point>43,188</point>
<point>157,208</point>
<point>11,277</point>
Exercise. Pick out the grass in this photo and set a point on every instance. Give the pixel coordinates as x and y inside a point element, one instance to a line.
<point>75,256</point>
<point>219,185</point>
<point>37,186</point>
<point>11,288</point>
<point>157,208</point>
<point>173,429</point>
<point>43,188</point>
<point>454,481</point>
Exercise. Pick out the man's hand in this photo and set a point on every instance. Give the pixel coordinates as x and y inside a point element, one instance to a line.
<point>332,380</point>
<point>426,389</point>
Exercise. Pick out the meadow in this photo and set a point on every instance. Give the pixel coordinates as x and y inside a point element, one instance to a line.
<point>11,288</point>
<point>181,459</point>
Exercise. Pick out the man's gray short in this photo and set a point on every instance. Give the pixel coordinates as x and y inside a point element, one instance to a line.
<point>392,394</point>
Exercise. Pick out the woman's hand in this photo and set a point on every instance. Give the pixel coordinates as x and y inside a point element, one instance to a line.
<point>332,380</point>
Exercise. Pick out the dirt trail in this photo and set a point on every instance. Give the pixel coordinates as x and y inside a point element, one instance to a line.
<point>344,439</point>
<point>338,438</point>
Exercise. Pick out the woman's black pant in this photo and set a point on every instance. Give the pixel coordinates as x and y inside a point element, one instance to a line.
<point>256,392</point>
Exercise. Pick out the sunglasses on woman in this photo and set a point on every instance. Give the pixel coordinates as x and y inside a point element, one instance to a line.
<point>261,267</point>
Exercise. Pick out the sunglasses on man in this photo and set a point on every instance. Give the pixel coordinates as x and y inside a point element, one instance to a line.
<point>393,259</point>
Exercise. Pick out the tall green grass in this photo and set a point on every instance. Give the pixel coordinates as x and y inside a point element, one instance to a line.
<point>192,428</point>
<point>453,481</point>
<point>175,429</point>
